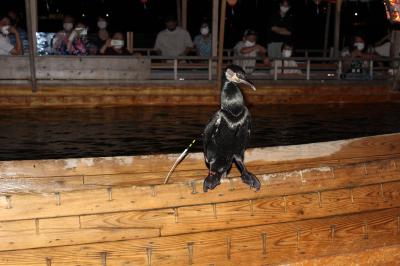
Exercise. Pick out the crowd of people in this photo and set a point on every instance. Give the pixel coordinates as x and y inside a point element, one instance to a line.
<point>75,39</point>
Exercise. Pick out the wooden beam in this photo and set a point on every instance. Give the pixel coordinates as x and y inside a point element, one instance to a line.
<point>31,18</point>
<point>215,13</point>
<point>267,160</point>
<point>14,206</point>
<point>327,28</point>
<point>109,227</point>
<point>184,13</point>
<point>337,27</point>
<point>179,11</point>
<point>221,43</point>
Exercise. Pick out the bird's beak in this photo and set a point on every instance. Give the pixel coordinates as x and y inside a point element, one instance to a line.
<point>248,83</point>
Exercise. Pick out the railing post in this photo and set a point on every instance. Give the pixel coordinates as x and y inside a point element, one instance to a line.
<point>371,69</point>
<point>30,8</point>
<point>339,71</point>
<point>308,69</point>
<point>175,69</point>
<point>209,69</point>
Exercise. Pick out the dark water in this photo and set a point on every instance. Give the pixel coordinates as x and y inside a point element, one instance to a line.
<point>66,133</point>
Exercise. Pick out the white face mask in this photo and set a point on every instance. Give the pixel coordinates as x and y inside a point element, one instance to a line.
<point>117,44</point>
<point>68,26</point>
<point>249,43</point>
<point>287,53</point>
<point>204,30</point>
<point>284,9</point>
<point>5,30</point>
<point>360,45</point>
<point>81,31</point>
<point>101,24</point>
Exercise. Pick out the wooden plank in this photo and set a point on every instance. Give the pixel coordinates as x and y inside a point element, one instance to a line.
<point>220,216</point>
<point>14,67</point>
<point>269,244</point>
<point>63,231</point>
<point>271,159</point>
<point>87,67</point>
<point>183,220</point>
<point>13,206</point>
<point>378,256</point>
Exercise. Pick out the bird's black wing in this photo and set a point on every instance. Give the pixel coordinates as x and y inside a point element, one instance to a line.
<point>210,130</point>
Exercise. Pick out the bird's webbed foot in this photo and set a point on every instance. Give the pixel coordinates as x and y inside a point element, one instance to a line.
<point>212,180</point>
<point>251,180</point>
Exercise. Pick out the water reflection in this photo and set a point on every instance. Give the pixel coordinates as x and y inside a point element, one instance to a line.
<point>66,133</point>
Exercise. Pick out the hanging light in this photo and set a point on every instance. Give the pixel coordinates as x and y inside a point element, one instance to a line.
<point>393,10</point>
<point>144,2</point>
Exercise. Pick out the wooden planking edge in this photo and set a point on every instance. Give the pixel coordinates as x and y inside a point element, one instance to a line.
<point>349,150</point>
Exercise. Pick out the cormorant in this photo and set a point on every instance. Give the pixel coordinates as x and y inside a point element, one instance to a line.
<point>226,136</point>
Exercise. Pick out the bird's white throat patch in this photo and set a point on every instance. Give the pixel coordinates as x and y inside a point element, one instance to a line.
<point>232,76</point>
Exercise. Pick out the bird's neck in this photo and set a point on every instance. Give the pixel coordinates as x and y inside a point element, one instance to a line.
<point>232,98</point>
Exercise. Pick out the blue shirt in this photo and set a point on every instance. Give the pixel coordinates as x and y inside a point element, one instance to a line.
<point>203,45</point>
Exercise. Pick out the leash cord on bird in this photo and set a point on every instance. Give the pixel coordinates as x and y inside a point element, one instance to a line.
<point>180,158</point>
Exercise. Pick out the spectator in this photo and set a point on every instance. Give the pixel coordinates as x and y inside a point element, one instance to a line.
<point>115,46</point>
<point>15,21</point>
<point>61,39</point>
<point>99,38</point>
<point>357,67</point>
<point>286,66</point>
<point>202,42</point>
<point>281,29</point>
<point>173,41</point>
<point>248,47</point>
<point>6,48</point>
<point>77,40</point>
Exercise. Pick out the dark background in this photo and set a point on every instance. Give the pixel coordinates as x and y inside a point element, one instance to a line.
<point>130,15</point>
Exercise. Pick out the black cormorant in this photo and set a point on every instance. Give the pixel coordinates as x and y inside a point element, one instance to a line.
<point>226,136</point>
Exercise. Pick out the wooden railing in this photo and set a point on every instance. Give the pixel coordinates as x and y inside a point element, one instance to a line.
<point>153,67</point>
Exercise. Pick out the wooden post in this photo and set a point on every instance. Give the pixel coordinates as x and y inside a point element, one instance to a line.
<point>179,12</point>
<point>215,28</point>
<point>184,14</point>
<point>337,27</point>
<point>31,21</point>
<point>327,27</point>
<point>221,42</point>
<point>129,41</point>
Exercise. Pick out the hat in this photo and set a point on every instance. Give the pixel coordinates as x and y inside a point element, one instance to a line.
<point>249,32</point>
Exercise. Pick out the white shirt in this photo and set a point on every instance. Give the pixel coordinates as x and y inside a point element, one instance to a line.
<point>173,43</point>
<point>286,63</point>
<point>5,45</point>
<point>247,65</point>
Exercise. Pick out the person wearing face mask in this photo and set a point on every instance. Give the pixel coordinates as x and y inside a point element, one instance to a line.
<point>286,65</point>
<point>173,41</point>
<point>61,39</point>
<point>248,47</point>
<point>202,42</point>
<point>357,67</point>
<point>6,48</point>
<point>281,29</point>
<point>77,40</point>
<point>115,46</point>
<point>99,37</point>
<point>15,21</point>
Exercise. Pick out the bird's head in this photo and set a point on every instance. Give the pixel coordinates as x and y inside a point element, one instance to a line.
<point>236,74</point>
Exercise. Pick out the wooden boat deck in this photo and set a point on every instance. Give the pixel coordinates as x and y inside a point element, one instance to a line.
<point>332,203</point>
